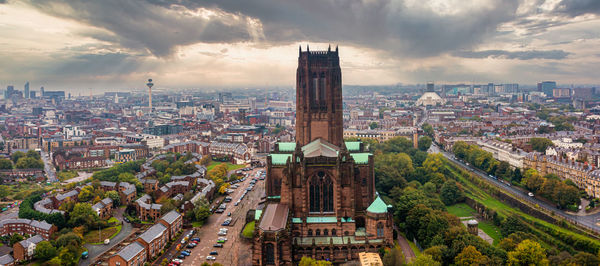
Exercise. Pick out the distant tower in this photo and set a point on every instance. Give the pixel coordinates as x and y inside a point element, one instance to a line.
<point>150,84</point>
<point>26,91</point>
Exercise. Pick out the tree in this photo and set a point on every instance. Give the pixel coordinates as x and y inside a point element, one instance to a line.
<point>68,239</point>
<point>373,125</point>
<point>471,256</point>
<point>16,156</point>
<point>6,164</point>
<point>83,214</point>
<point>114,196</point>
<point>29,163</point>
<point>424,143</point>
<point>528,252</point>
<point>44,251</point>
<point>425,260</point>
<point>223,188</point>
<point>434,162</point>
<point>306,261</point>
<point>4,191</point>
<point>393,257</point>
<point>167,206</point>
<point>540,144</point>
<point>450,193</point>
<point>86,194</point>
<point>586,259</point>
<point>33,154</point>
<point>201,210</point>
<point>428,129</point>
<point>14,238</point>
<point>512,224</point>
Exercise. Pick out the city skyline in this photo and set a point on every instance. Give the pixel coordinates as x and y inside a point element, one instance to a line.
<point>214,44</point>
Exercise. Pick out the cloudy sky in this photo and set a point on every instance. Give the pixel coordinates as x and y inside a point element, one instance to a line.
<point>70,44</point>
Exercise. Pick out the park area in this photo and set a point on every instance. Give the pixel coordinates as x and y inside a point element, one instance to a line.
<point>230,166</point>
<point>465,212</point>
<point>95,237</point>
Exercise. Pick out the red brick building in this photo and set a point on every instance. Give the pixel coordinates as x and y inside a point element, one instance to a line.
<point>25,249</point>
<point>321,199</point>
<point>26,226</point>
<point>173,221</point>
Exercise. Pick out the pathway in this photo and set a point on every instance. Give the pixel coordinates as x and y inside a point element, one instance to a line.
<point>409,254</point>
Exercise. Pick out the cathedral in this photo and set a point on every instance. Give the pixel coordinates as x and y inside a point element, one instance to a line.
<point>321,199</point>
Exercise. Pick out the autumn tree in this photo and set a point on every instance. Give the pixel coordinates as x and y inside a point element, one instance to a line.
<point>528,252</point>
<point>471,256</point>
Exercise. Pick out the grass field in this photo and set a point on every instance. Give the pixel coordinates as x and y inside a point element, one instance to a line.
<point>248,231</point>
<point>197,224</point>
<point>460,210</point>
<point>491,230</point>
<point>230,166</point>
<point>92,236</point>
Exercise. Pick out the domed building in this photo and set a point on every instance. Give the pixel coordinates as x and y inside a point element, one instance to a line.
<point>430,97</point>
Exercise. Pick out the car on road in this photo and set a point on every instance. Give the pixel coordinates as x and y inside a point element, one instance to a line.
<point>226,223</point>
<point>218,245</point>
<point>214,253</point>
<point>211,258</point>
<point>222,233</point>
<point>236,203</point>
<point>530,194</point>
<point>228,214</point>
<point>181,256</point>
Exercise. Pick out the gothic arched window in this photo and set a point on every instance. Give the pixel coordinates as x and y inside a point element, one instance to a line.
<point>333,232</point>
<point>269,254</point>
<point>321,193</point>
<point>380,229</point>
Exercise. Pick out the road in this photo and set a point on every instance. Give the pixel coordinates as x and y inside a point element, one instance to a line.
<point>588,221</point>
<point>49,167</point>
<point>97,250</point>
<point>235,251</point>
<point>80,177</point>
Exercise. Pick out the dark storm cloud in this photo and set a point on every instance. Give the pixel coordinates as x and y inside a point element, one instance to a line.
<point>579,7</point>
<point>520,55</point>
<point>139,25</point>
<point>380,24</point>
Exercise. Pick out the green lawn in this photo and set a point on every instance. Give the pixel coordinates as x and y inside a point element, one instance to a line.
<point>92,236</point>
<point>197,224</point>
<point>248,231</point>
<point>460,210</point>
<point>113,220</point>
<point>491,230</point>
<point>230,166</point>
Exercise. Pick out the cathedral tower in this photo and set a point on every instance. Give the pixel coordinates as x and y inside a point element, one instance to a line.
<point>319,97</point>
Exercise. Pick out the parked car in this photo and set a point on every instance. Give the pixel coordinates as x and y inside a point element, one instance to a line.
<point>228,214</point>
<point>530,194</point>
<point>211,258</point>
<point>181,256</point>
<point>195,239</point>
<point>218,245</point>
<point>214,253</point>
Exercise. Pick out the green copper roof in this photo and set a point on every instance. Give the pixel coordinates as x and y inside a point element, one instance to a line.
<point>274,197</point>
<point>291,146</point>
<point>257,215</point>
<point>347,220</point>
<point>325,219</point>
<point>297,220</point>
<point>353,145</point>
<point>287,146</point>
<point>361,158</point>
<point>378,206</point>
<point>279,159</point>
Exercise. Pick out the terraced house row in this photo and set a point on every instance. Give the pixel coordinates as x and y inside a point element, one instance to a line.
<point>150,243</point>
<point>584,176</point>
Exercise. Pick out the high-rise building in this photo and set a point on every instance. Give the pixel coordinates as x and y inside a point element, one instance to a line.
<point>547,87</point>
<point>321,200</point>
<point>26,94</point>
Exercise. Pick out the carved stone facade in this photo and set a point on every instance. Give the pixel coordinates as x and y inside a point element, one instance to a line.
<point>321,199</point>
